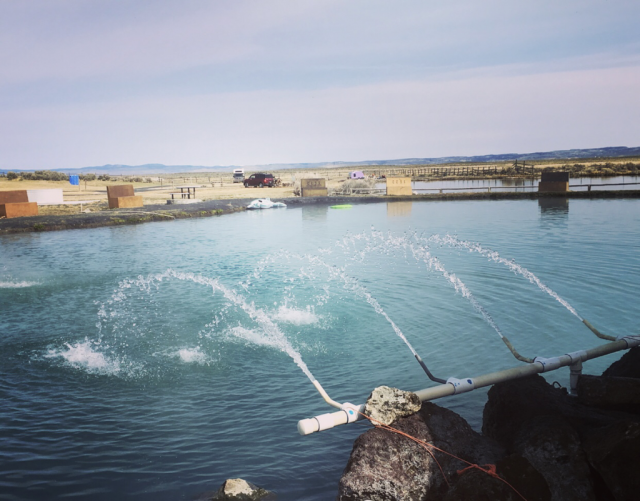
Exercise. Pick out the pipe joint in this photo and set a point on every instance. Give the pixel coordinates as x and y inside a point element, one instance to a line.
<point>574,377</point>
<point>461,385</point>
<point>549,364</point>
<point>352,411</point>
<point>577,356</point>
<point>632,341</point>
<point>325,421</point>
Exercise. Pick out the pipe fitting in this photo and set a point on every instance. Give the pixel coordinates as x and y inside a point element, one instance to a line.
<point>575,373</point>
<point>461,385</point>
<point>576,356</point>
<point>352,411</point>
<point>632,341</point>
<point>549,364</point>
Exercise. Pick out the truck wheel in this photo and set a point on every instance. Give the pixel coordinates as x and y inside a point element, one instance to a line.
<point>260,185</point>
<point>246,185</point>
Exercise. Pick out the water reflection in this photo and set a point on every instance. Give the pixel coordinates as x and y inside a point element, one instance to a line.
<point>553,205</point>
<point>314,212</point>
<point>521,184</point>
<point>395,209</point>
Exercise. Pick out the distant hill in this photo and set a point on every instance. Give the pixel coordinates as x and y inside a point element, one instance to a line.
<point>148,169</point>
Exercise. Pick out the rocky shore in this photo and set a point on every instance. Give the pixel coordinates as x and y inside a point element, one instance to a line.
<point>537,443</point>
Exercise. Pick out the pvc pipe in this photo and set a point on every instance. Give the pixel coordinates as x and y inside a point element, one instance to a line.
<point>350,413</point>
<point>427,371</point>
<point>325,395</point>
<point>597,332</point>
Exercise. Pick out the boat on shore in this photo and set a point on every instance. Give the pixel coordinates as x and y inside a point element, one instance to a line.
<point>265,203</point>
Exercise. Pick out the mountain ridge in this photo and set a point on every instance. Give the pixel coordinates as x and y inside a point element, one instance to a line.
<point>155,168</point>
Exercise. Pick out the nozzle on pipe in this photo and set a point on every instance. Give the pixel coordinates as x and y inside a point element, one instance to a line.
<point>597,332</point>
<point>428,372</point>
<point>325,395</point>
<point>348,413</point>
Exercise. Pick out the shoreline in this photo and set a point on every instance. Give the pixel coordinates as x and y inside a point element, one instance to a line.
<point>208,208</point>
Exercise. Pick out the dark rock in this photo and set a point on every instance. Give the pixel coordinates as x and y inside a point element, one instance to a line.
<point>518,480</point>
<point>387,466</point>
<point>386,404</point>
<point>513,404</point>
<point>544,443</point>
<point>548,427</point>
<point>617,393</point>
<point>553,448</point>
<point>237,489</point>
<point>614,452</point>
<point>627,366</point>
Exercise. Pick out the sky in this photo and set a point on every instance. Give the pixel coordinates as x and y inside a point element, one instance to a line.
<point>235,82</point>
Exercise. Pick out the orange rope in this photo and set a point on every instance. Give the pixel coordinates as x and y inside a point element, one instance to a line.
<point>490,468</point>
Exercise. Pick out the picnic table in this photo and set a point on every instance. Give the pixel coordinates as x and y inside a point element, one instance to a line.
<point>187,193</point>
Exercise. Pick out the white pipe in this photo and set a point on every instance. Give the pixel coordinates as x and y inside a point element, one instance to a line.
<point>325,395</point>
<point>350,413</point>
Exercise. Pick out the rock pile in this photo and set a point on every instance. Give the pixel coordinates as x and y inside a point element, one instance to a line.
<point>546,444</point>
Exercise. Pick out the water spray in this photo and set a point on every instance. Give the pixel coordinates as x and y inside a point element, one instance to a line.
<point>363,292</point>
<point>516,268</point>
<point>350,413</point>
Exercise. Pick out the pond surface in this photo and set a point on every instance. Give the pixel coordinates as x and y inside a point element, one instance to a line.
<point>520,184</point>
<point>152,362</point>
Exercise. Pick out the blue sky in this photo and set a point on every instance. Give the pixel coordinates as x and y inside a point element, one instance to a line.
<point>91,82</point>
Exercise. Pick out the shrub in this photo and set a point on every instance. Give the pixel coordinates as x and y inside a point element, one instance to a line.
<point>88,177</point>
<point>11,176</point>
<point>351,184</point>
<point>104,177</point>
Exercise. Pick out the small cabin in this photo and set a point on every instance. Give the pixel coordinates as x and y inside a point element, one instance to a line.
<point>356,174</point>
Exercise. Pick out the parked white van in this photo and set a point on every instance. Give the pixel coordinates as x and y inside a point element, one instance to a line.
<point>238,175</point>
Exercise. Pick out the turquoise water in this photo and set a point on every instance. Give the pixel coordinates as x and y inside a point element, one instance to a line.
<point>155,361</point>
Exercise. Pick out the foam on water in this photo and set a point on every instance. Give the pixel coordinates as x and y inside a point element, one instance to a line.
<point>255,337</point>
<point>16,285</point>
<point>352,284</point>
<point>271,335</point>
<point>295,316</point>
<point>84,355</point>
<point>192,356</point>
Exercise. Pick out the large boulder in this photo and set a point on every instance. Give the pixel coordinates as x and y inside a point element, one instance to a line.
<point>517,479</point>
<point>607,392</point>
<point>563,439</point>
<point>627,366</point>
<point>553,448</point>
<point>513,404</point>
<point>385,466</point>
<point>538,442</point>
<point>614,453</point>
